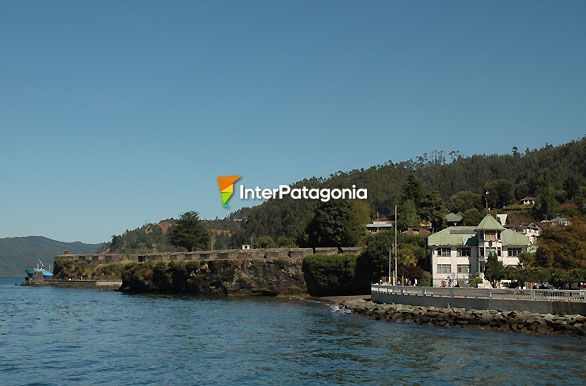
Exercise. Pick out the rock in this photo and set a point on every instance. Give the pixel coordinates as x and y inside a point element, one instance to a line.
<point>523,322</point>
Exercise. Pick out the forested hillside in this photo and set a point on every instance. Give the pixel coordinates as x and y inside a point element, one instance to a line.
<point>555,175</point>
<point>19,253</point>
<point>425,190</point>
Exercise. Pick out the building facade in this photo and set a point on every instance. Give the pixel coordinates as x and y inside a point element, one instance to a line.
<point>460,252</point>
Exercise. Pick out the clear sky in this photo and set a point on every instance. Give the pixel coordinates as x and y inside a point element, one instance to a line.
<point>117,113</point>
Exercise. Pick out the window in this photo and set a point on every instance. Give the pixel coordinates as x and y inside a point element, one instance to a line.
<point>515,251</point>
<point>463,268</point>
<point>489,236</point>
<point>490,252</point>
<point>445,252</point>
<point>464,252</point>
<point>444,268</point>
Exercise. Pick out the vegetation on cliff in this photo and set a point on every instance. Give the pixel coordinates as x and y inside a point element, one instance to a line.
<point>333,275</point>
<point>66,268</point>
<point>238,277</point>
<point>349,274</point>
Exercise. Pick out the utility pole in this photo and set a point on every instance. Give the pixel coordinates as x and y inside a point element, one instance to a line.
<point>390,257</point>
<point>396,265</point>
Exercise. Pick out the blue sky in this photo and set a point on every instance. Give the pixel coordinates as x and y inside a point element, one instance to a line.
<point>117,113</point>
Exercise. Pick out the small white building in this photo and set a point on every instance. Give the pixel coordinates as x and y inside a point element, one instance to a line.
<point>379,225</point>
<point>460,252</point>
<point>532,231</point>
<point>527,201</point>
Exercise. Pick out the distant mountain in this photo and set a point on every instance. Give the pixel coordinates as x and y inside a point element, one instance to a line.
<point>18,253</point>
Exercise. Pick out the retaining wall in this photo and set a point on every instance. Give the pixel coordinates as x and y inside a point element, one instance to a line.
<point>537,306</point>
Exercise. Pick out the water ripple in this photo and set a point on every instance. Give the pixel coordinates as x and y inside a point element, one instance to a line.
<point>52,336</point>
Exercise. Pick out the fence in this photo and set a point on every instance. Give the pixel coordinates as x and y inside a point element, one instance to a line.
<point>575,296</point>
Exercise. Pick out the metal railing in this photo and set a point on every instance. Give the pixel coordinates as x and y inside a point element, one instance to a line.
<point>485,293</point>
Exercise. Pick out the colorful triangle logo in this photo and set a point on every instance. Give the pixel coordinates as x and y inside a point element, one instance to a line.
<point>226,184</point>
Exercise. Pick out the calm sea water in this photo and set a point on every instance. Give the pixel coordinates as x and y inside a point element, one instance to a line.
<point>73,336</point>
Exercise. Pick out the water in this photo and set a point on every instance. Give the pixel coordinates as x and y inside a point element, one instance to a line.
<point>77,336</point>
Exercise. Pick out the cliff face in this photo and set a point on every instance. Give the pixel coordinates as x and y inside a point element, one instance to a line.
<point>278,271</point>
<point>223,277</point>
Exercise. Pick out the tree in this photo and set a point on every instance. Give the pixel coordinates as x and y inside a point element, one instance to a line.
<point>494,271</point>
<point>571,187</point>
<point>500,193</point>
<point>412,189</point>
<point>284,241</point>
<point>263,242</point>
<point>190,233</point>
<point>411,255</point>
<point>527,259</point>
<point>432,209</point>
<point>407,215</point>
<point>375,260</point>
<point>464,200</point>
<point>545,203</point>
<point>562,246</point>
<point>472,217</point>
<point>521,190</point>
<point>335,224</point>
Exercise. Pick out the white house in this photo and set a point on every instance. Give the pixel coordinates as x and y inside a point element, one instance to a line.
<point>532,231</point>
<point>460,252</point>
<point>527,201</point>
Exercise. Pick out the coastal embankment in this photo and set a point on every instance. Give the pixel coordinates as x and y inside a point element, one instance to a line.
<point>507,321</point>
<point>268,272</point>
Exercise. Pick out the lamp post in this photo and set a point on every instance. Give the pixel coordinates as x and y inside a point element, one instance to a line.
<point>395,275</point>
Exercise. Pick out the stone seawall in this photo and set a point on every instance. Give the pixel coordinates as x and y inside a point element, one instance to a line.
<point>277,271</point>
<point>509,321</point>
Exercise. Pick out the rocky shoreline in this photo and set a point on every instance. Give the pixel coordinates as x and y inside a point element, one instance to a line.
<point>506,321</point>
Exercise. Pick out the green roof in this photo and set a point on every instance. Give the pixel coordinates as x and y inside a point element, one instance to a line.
<point>458,235</point>
<point>512,238</point>
<point>489,223</point>
<point>466,236</point>
<point>453,217</point>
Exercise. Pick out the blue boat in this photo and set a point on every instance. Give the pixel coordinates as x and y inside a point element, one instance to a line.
<point>40,268</point>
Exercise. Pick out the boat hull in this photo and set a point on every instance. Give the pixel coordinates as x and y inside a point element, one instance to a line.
<point>46,274</point>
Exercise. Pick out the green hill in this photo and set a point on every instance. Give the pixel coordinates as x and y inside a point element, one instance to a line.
<point>18,253</point>
<point>555,175</point>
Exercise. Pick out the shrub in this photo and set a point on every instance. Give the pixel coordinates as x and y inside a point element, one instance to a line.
<point>333,275</point>
<point>425,279</point>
